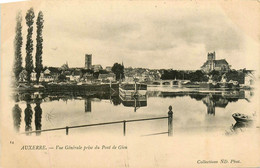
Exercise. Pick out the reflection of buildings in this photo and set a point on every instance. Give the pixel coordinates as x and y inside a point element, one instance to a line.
<point>17,111</point>
<point>213,64</point>
<point>38,117</point>
<point>212,101</point>
<point>88,105</point>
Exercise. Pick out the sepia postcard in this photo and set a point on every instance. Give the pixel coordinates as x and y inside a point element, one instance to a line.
<point>134,84</point>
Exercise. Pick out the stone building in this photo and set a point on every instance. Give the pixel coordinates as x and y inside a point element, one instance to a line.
<point>88,61</point>
<point>213,64</point>
<point>96,68</point>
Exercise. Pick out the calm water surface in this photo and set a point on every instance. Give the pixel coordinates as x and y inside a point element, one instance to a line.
<point>194,112</point>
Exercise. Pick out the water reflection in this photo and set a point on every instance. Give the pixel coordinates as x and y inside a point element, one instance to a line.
<point>17,113</point>
<point>239,127</point>
<point>28,118</point>
<point>210,102</point>
<point>81,108</point>
<point>88,105</point>
<point>136,102</point>
<point>210,99</point>
<point>115,100</point>
<point>38,117</point>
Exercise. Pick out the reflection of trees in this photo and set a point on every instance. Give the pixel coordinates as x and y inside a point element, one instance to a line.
<point>38,117</point>
<point>173,94</point>
<point>28,117</point>
<point>17,111</point>
<point>16,97</point>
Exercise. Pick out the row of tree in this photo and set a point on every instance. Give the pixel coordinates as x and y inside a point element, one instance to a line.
<point>18,42</point>
<point>197,76</point>
<point>200,76</point>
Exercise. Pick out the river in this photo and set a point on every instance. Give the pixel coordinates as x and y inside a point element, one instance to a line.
<point>194,112</point>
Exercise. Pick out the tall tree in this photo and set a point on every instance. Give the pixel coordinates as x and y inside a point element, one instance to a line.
<point>39,40</point>
<point>18,42</point>
<point>29,44</point>
<point>118,70</point>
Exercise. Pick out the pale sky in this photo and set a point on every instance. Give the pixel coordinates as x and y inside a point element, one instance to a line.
<point>141,34</point>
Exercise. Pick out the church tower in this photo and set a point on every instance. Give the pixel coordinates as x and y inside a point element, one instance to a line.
<point>211,60</point>
<point>88,61</point>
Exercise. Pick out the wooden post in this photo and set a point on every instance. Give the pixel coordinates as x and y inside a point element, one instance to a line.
<point>124,126</point>
<point>67,130</point>
<point>170,131</point>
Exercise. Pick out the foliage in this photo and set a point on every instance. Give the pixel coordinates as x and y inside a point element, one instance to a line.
<point>17,111</point>
<point>39,40</point>
<point>172,74</point>
<point>118,70</point>
<point>62,77</point>
<point>236,76</point>
<point>216,75</point>
<point>28,117</point>
<point>38,116</point>
<point>103,71</point>
<point>18,42</point>
<point>95,75</point>
<point>87,71</point>
<point>197,76</point>
<point>29,44</point>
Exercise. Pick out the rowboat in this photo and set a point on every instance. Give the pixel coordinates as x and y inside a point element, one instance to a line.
<point>242,117</point>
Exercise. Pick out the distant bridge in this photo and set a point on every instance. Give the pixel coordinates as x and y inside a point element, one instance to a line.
<point>169,82</point>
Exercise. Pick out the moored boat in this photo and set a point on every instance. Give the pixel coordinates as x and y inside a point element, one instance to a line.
<point>242,117</point>
<point>133,89</point>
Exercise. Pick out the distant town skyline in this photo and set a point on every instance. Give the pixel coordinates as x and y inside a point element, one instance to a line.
<point>154,35</point>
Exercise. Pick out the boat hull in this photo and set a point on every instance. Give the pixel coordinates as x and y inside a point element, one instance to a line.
<point>131,93</point>
<point>133,102</point>
<point>130,90</point>
<point>242,118</point>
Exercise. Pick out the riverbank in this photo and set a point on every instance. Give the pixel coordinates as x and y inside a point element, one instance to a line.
<point>44,87</point>
<point>106,87</point>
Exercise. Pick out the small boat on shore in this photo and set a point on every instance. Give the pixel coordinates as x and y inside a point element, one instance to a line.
<point>242,117</point>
